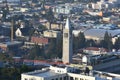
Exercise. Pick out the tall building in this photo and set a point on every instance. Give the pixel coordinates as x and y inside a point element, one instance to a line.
<point>67,43</point>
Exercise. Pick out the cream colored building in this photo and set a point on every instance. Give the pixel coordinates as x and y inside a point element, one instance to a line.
<point>52,34</point>
<point>53,25</point>
<point>23,9</point>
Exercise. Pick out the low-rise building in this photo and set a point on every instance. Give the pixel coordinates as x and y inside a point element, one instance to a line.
<point>51,34</point>
<point>95,50</point>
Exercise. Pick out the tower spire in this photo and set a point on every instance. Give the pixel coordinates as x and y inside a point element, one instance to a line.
<point>67,43</point>
<point>67,26</point>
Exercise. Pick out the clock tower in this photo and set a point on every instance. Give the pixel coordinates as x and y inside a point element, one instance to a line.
<point>67,43</point>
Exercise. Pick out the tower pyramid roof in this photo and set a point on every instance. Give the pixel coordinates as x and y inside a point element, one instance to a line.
<point>67,26</point>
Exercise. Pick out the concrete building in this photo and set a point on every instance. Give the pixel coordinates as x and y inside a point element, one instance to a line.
<point>108,63</point>
<point>67,43</point>
<point>51,34</point>
<point>67,73</point>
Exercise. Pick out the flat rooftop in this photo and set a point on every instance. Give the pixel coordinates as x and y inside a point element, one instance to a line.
<point>42,73</point>
<point>10,43</point>
<point>46,73</point>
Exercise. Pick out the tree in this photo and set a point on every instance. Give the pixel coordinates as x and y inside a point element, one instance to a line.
<point>5,57</point>
<point>90,43</point>
<point>59,45</point>
<point>75,43</point>
<point>50,16</point>
<point>117,43</point>
<point>81,40</point>
<point>107,42</point>
<point>35,52</point>
<point>5,12</point>
<point>51,49</point>
<point>14,73</point>
<point>42,27</point>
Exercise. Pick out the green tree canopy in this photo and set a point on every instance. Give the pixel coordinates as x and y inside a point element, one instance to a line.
<point>79,41</point>
<point>35,52</point>
<point>51,49</point>
<point>50,16</point>
<point>117,43</point>
<point>42,27</point>
<point>107,42</point>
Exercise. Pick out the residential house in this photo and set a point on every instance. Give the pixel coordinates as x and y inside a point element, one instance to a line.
<point>21,32</point>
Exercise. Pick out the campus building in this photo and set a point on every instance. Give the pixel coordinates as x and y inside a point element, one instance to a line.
<point>68,73</point>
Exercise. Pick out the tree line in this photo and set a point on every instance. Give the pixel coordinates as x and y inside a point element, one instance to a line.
<point>81,42</point>
<point>54,49</point>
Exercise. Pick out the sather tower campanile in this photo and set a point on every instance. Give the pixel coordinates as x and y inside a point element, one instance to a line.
<point>67,43</point>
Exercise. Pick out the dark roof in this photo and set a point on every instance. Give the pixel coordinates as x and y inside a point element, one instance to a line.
<point>25,31</point>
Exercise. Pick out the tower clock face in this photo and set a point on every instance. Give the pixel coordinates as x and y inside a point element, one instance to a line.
<point>66,35</point>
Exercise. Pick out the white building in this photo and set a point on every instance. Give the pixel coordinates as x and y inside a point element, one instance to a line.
<point>67,8</point>
<point>95,50</point>
<point>67,73</point>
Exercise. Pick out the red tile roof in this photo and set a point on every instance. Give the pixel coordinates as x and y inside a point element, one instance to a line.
<point>96,49</point>
<point>39,40</point>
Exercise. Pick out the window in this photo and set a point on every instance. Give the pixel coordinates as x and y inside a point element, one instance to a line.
<point>71,78</point>
<point>33,79</point>
<point>56,78</point>
<point>65,35</point>
<point>76,78</point>
<point>81,79</point>
<point>61,78</point>
<point>65,78</point>
<point>26,79</point>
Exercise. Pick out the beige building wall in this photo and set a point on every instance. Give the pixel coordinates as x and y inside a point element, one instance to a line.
<point>67,46</point>
<point>51,33</point>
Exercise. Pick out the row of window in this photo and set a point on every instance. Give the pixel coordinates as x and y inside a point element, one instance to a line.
<point>64,78</point>
<point>71,78</point>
